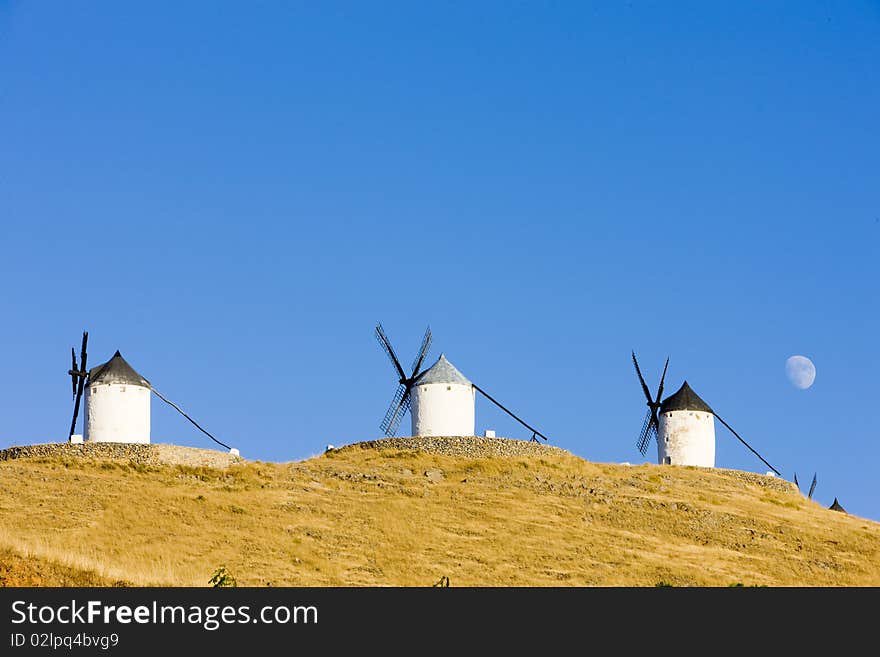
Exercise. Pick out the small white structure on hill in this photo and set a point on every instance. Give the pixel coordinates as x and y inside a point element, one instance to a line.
<point>117,401</point>
<point>687,430</point>
<point>442,402</point>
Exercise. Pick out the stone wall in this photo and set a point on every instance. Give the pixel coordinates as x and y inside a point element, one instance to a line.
<point>467,446</point>
<point>155,454</point>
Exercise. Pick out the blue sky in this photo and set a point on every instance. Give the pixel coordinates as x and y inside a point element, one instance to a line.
<point>234,196</point>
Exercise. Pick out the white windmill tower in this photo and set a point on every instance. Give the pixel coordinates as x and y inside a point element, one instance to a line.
<point>117,404</point>
<point>440,399</point>
<point>686,435</point>
<point>442,402</point>
<point>683,426</point>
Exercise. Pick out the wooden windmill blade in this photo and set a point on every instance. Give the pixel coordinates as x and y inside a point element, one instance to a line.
<point>642,379</point>
<point>402,409</point>
<point>423,351</point>
<point>389,350</point>
<point>72,371</point>
<point>649,430</point>
<point>394,414</point>
<point>660,387</point>
<point>79,376</point>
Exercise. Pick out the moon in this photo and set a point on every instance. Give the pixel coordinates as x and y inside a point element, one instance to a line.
<point>800,371</point>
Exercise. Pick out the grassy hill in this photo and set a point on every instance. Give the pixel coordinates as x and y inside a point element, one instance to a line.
<point>403,517</point>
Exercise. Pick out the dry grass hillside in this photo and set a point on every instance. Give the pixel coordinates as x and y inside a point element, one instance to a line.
<point>404,517</point>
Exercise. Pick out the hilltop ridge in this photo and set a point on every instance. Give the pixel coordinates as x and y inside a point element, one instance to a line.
<point>497,512</point>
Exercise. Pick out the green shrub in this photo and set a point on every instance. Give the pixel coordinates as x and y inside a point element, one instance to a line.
<point>222,578</point>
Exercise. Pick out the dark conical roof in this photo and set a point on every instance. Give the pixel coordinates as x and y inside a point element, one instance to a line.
<point>835,506</point>
<point>684,400</point>
<point>116,370</point>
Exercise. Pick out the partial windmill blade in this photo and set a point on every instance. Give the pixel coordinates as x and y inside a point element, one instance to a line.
<point>423,351</point>
<point>73,370</point>
<point>393,407</point>
<point>396,410</point>
<point>82,374</point>
<point>645,433</point>
<point>812,487</point>
<point>642,379</point>
<point>386,345</point>
<point>404,409</point>
<point>662,379</point>
<point>796,481</point>
<point>82,357</point>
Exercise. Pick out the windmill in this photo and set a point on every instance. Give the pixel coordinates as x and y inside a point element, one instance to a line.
<point>812,485</point>
<point>401,401</point>
<point>117,401</point>
<point>682,425</point>
<point>440,399</point>
<point>78,375</point>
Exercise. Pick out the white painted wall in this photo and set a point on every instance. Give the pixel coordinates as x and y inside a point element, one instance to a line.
<point>117,413</point>
<point>687,438</point>
<point>442,409</point>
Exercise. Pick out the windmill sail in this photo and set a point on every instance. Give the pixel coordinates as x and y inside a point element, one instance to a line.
<point>73,372</point>
<point>78,375</point>
<point>651,426</point>
<point>400,403</point>
<point>648,431</point>
<point>419,360</point>
<point>393,415</point>
<point>386,345</point>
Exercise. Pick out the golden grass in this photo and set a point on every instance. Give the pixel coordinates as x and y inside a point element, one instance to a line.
<point>372,518</point>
